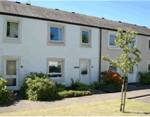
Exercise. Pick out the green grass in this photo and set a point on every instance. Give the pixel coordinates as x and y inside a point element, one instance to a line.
<point>100,108</point>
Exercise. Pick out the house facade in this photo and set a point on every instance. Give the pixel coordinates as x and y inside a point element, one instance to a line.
<point>62,44</point>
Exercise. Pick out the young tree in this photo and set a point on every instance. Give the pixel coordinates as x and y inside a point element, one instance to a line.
<point>130,57</point>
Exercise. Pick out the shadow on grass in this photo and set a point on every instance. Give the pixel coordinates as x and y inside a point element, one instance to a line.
<point>137,112</point>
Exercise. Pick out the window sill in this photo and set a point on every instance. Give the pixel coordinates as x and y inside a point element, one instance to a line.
<point>57,79</point>
<point>11,40</point>
<point>86,46</point>
<point>113,48</point>
<point>53,43</point>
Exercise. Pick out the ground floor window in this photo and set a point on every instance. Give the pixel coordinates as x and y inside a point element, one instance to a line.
<point>148,66</point>
<point>114,69</point>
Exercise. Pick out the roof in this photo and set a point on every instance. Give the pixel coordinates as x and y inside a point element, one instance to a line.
<point>31,11</point>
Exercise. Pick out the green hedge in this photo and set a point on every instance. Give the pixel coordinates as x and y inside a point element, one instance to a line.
<point>5,94</point>
<point>71,93</point>
<point>145,78</point>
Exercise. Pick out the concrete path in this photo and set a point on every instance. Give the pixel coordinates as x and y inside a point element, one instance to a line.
<point>29,105</point>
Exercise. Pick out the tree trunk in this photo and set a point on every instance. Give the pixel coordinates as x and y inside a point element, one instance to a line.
<point>122,93</point>
<point>126,86</point>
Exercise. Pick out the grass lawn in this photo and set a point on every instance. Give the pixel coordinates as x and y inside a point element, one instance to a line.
<point>101,108</point>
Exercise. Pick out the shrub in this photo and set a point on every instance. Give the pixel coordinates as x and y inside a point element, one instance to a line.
<point>5,94</point>
<point>32,75</point>
<point>145,78</point>
<point>59,87</point>
<point>95,85</point>
<point>71,93</point>
<point>76,85</point>
<point>111,88</point>
<point>112,78</point>
<point>40,89</point>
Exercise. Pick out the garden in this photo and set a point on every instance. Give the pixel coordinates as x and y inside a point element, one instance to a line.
<point>38,87</point>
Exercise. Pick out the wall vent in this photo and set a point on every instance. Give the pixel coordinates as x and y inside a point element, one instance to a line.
<point>28,4</point>
<point>18,2</point>
<point>119,21</point>
<point>103,18</point>
<point>72,12</point>
<point>57,9</point>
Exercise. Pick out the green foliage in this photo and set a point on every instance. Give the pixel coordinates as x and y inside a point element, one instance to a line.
<point>76,85</point>
<point>111,88</point>
<point>125,62</point>
<point>145,78</point>
<point>85,39</point>
<point>59,87</point>
<point>5,94</point>
<point>40,89</point>
<point>71,93</point>
<point>32,75</point>
<point>95,85</point>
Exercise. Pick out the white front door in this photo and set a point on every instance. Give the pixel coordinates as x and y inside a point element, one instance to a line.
<point>11,73</point>
<point>132,78</point>
<point>85,71</point>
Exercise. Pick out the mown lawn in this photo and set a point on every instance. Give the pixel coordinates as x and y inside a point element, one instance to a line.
<point>101,108</point>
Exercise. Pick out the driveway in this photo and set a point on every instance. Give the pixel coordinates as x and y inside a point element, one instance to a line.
<point>29,105</point>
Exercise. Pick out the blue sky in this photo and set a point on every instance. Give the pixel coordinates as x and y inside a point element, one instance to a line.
<point>135,12</point>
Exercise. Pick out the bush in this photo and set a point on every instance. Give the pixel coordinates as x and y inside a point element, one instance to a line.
<point>40,89</point>
<point>95,85</point>
<point>59,87</point>
<point>5,94</point>
<point>111,88</point>
<point>112,78</point>
<point>32,75</point>
<point>145,78</point>
<point>76,85</point>
<point>71,93</point>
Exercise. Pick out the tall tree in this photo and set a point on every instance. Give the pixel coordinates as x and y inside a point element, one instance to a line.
<point>131,56</point>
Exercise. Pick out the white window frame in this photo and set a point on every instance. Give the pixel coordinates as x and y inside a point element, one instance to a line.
<point>10,39</point>
<point>109,46</point>
<point>135,43</point>
<point>148,45</point>
<point>148,62</point>
<point>59,79</point>
<point>118,70</point>
<point>89,30</point>
<point>53,42</point>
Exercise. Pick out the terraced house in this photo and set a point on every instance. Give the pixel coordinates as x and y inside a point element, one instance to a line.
<point>61,44</point>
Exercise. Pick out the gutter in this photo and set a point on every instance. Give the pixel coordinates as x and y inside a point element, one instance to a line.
<point>100,51</point>
<point>46,19</point>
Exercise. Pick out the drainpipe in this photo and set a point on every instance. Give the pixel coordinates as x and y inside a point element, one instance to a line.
<point>100,50</point>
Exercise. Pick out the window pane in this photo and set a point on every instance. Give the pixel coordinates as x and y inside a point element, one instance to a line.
<point>148,67</point>
<point>10,67</point>
<point>84,68</point>
<point>132,44</point>
<point>149,45</point>
<point>56,34</point>
<point>112,40</point>
<point>54,67</point>
<point>85,37</point>
<point>11,82</point>
<point>54,75</point>
<point>113,68</point>
<point>12,29</point>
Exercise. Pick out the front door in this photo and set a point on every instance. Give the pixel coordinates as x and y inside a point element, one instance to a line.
<point>85,71</point>
<point>11,73</point>
<point>132,78</point>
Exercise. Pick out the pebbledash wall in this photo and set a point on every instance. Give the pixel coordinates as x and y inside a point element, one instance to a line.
<point>142,43</point>
<point>33,49</point>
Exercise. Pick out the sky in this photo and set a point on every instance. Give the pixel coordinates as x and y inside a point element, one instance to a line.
<point>134,12</point>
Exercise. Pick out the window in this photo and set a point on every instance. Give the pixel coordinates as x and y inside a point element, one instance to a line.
<point>149,45</point>
<point>148,66</point>
<point>111,40</point>
<point>56,34</point>
<point>114,69</point>
<point>85,37</point>
<point>12,29</point>
<point>55,69</point>
<point>85,40</point>
<point>84,68</point>
<point>132,44</point>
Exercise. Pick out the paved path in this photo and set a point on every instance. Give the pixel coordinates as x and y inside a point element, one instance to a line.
<point>29,105</point>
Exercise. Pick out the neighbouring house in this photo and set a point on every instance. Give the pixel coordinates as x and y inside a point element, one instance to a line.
<point>61,44</point>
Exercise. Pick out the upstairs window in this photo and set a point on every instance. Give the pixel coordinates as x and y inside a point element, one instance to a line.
<point>56,34</point>
<point>111,41</point>
<point>85,37</point>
